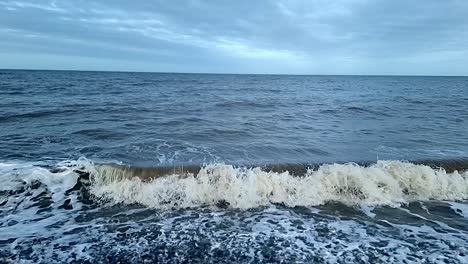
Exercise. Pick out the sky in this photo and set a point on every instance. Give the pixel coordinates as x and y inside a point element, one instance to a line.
<point>399,37</point>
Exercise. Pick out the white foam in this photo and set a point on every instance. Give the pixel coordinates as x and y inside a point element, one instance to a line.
<point>21,208</point>
<point>384,183</point>
<point>13,175</point>
<point>294,235</point>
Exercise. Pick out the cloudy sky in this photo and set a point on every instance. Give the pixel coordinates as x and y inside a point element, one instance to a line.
<point>426,37</point>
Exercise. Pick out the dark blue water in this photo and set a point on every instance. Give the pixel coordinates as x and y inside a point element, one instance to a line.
<point>57,128</point>
<point>155,118</point>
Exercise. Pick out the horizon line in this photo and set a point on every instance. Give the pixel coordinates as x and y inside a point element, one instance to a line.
<point>229,73</point>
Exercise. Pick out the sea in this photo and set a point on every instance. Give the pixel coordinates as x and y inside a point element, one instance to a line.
<point>122,167</point>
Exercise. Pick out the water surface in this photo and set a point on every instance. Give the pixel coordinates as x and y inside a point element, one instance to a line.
<point>72,145</point>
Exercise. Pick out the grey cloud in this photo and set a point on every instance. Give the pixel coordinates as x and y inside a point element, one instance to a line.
<point>316,37</point>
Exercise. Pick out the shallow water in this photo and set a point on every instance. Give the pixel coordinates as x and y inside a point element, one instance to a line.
<point>86,158</point>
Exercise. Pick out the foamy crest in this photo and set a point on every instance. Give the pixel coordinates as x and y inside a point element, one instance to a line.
<point>14,175</point>
<point>384,183</point>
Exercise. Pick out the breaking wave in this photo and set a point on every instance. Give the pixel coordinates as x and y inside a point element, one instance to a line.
<point>382,183</point>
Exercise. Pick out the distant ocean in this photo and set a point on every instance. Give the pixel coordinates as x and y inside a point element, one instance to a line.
<point>113,167</point>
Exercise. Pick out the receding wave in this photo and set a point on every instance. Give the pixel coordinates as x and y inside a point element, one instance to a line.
<point>382,183</point>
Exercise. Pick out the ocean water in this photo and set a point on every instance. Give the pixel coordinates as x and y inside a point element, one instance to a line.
<point>99,167</point>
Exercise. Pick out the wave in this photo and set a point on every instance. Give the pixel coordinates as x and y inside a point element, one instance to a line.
<point>365,184</point>
<point>382,183</point>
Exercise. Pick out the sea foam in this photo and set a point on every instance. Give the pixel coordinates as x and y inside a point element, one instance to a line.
<point>383,183</point>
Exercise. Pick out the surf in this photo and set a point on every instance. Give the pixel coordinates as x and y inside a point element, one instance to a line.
<point>382,183</point>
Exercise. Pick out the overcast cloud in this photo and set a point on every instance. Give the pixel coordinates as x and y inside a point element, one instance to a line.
<point>427,37</point>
